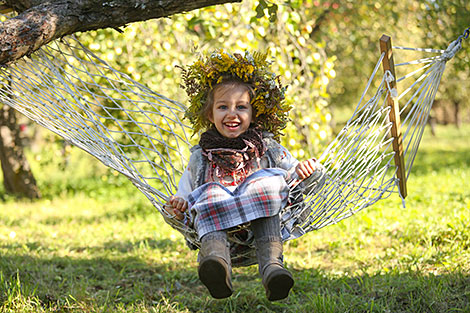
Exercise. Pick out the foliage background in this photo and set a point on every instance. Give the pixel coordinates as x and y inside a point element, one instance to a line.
<point>323,50</point>
<point>92,244</point>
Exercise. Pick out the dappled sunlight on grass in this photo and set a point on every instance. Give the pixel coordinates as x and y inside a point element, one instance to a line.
<point>112,252</point>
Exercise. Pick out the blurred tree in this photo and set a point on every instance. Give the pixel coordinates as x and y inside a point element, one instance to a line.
<point>17,176</point>
<point>352,30</point>
<point>441,23</point>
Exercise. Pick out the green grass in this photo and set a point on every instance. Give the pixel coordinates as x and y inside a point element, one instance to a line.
<point>91,246</point>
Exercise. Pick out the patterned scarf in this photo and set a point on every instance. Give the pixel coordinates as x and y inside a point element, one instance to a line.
<point>232,156</point>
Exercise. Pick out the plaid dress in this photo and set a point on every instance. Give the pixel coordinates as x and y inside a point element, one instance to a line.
<point>262,194</point>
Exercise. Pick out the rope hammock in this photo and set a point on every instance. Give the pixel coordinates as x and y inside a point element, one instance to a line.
<point>141,134</point>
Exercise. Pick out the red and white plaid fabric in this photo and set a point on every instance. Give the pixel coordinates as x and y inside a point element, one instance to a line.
<point>214,207</point>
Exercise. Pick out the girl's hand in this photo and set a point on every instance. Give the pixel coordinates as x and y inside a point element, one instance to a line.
<point>177,206</point>
<point>306,168</point>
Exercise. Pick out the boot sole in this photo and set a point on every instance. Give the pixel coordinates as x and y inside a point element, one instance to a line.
<point>278,285</point>
<point>214,274</point>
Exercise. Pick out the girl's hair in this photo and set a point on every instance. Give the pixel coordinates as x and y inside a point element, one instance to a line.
<point>224,86</point>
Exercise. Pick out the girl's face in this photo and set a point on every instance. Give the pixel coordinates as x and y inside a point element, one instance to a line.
<point>231,112</point>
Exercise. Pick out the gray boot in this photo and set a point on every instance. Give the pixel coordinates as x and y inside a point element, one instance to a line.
<point>214,265</point>
<point>277,281</point>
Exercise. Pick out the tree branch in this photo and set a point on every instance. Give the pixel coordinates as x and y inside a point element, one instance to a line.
<point>42,21</point>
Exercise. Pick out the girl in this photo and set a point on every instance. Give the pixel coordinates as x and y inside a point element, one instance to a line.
<point>238,173</point>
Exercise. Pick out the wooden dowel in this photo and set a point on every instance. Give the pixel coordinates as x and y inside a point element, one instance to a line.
<point>389,65</point>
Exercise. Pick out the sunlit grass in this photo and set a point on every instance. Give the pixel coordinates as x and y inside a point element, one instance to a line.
<point>92,246</point>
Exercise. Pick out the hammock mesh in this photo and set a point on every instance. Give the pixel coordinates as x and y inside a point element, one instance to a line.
<point>142,134</point>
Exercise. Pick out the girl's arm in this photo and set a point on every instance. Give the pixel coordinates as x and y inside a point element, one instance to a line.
<point>178,204</point>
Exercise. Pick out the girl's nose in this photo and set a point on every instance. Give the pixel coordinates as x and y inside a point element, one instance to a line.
<point>231,112</point>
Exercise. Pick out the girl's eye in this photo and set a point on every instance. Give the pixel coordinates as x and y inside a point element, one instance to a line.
<point>242,107</point>
<point>222,107</point>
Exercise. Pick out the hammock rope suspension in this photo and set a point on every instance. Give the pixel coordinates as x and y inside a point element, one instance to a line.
<point>142,134</point>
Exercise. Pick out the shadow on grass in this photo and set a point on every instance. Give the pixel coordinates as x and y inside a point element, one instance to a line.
<point>411,291</point>
<point>95,281</point>
<point>97,284</point>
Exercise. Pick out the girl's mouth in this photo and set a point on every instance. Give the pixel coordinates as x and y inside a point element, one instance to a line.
<point>232,125</point>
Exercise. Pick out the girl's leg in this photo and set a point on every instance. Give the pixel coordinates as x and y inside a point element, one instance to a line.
<point>276,279</point>
<point>214,264</point>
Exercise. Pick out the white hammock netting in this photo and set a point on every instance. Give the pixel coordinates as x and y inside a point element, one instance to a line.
<point>142,134</point>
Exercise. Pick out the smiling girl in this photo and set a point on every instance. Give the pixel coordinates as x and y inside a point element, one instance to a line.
<point>238,173</point>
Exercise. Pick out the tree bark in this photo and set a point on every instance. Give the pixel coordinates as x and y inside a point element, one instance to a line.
<point>17,176</point>
<point>457,113</point>
<point>41,21</point>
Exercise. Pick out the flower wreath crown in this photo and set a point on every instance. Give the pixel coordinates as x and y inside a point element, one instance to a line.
<point>268,102</point>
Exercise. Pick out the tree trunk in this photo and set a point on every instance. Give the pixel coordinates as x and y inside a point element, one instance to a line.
<point>41,21</point>
<point>17,176</point>
<point>457,113</point>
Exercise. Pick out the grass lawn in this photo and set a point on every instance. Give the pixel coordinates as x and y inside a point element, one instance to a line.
<point>95,244</point>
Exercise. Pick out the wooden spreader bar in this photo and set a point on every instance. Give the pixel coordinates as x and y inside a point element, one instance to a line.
<point>389,65</point>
